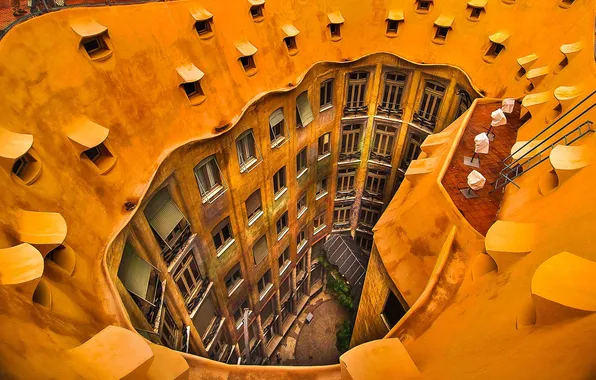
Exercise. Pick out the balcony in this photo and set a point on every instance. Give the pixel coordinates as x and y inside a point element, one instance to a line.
<point>213,332</point>
<point>341,226</point>
<point>196,300</point>
<point>349,157</point>
<point>345,194</point>
<point>355,110</point>
<point>425,120</point>
<point>152,309</point>
<point>177,245</point>
<point>185,339</point>
<point>365,227</point>
<point>390,110</point>
<point>375,197</point>
<point>383,159</point>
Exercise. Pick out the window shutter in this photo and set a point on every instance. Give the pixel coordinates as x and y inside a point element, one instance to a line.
<point>135,273</point>
<point>204,316</point>
<point>304,109</point>
<point>166,219</point>
<point>276,117</point>
<point>253,202</point>
<point>259,250</point>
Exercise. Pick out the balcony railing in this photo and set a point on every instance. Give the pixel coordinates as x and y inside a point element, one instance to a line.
<point>196,300</point>
<point>382,158</point>
<point>215,328</point>
<point>185,339</point>
<point>354,110</point>
<point>390,110</point>
<point>342,194</point>
<point>426,120</point>
<point>373,196</point>
<point>341,225</point>
<point>349,156</point>
<point>169,253</point>
<point>152,310</point>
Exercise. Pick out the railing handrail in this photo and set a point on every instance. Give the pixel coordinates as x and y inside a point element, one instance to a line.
<point>550,126</point>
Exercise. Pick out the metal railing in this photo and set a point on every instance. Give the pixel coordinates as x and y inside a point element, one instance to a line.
<point>536,151</point>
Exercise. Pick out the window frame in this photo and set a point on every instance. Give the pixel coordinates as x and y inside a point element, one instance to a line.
<point>217,187</point>
<point>280,181</point>
<point>326,94</point>
<point>243,147</point>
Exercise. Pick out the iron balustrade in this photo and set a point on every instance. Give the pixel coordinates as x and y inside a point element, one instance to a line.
<point>396,112</point>
<point>426,120</point>
<point>357,110</point>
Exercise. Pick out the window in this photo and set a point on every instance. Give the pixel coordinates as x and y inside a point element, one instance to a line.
<point>304,114</point>
<point>282,225</point>
<point>345,179</point>
<point>493,51</point>
<point>392,26</point>
<point>168,223</point>
<point>264,283</point>
<point>209,179</point>
<point>267,311</point>
<point>301,164</point>
<point>233,279</point>
<point>284,260</point>
<point>239,313</point>
<point>276,130</point>
<point>324,144</point>
<point>222,235</point>
<point>375,183</point>
<point>257,12</point>
<point>369,214</point>
<point>441,33</point>
<point>341,215</point>
<point>393,310</point>
<point>248,64</point>
<point>423,5</point>
<point>301,205</point>
<point>290,43</point>
<point>430,105</point>
<point>365,242</point>
<point>319,221</point>
<point>392,94</point>
<point>187,276</point>
<point>326,95</point>
<point>170,331</point>
<point>356,94</point>
<point>566,3</point>
<point>350,142</point>
<point>335,21</point>
<point>413,142</point>
<point>301,266</point>
<point>139,277</point>
<point>465,101</point>
<point>246,149</point>
<point>96,46</point>
<point>259,250</point>
<point>279,182</point>
<point>335,30</point>
<point>27,167</point>
<point>192,90</point>
<point>100,156</point>
<point>475,11</point>
<point>204,28</point>
<point>383,143</point>
<point>254,207</point>
<point>205,318</point>
<point>301,238</point>
<point>321,188</point>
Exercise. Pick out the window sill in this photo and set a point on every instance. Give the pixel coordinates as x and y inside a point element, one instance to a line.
<point>278,142</point>
<point>488,58</point>
<point>325,107</point>
<point>254,218</point>
<point>280,193</point>
<point>302,245</point>
<point>319,229</point>
<point>321,195</point>
<point>439,41</point>
<point>391,35</point>
<point>206,36</point>
<point>265,291</point>
<point>213,194</point>
<point>335,38</point>
<point>473,19</point>
<point>301,212</point>
<point>101,55</point>
<point>282,233</point>
<point>301,173</point>
<point>285,267</point>
<point>324,156</point>
<point>223,248</point>
<point>248,165</point>
<point>235,287</point>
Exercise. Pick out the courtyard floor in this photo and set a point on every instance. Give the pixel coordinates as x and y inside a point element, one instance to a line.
<point>314,343</point>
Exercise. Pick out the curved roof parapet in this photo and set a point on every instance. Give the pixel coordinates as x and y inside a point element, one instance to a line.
<point>499,37</point>
<point>572,49</point>
<point>113,353</point>
<point>43,228</point>
<point>566,94</point>
<point>520,148</point>
<point>21,266</point>
<point>245,48</point>
<point>87,27</point>
<point>563,287</point>
<point>418,168</point>
<point>534,102</point>
<point>527,61</point>
<point>537,74</point>
<point>483,264</point>
<point>396,15</point>
<point>434,142</point>
<point>335,18</point>
<point>189,73</point>
<point>290,30</point>
<point>379,359</point>
<point>256,2</point>
<point>201,14</point>
<point>167,364</point>
<point>567,160</point>
<point>88,134</point>
<point>444,21</point>
<point>506,242</point>
<point>14,145</point>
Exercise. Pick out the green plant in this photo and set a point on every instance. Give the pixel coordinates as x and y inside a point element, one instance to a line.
<point>341,290</point>
<point>343,336</point>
